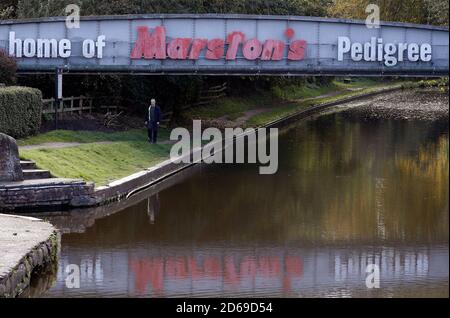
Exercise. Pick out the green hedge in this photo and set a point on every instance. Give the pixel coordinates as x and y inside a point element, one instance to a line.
<point>20,111</point>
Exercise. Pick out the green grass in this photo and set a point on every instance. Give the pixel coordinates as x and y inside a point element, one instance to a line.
<point>367,86</point>
<point>358,83</point>
<point>99,163</point>
<point>293,92</point>
<point>233,107</point>
<point>276,113</point>
<point>90,136</point>
<point>306,91</point>
<point>128,152</point>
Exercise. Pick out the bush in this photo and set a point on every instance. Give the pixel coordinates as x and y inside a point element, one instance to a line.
<point>20,111</point>
<point>8,68</point>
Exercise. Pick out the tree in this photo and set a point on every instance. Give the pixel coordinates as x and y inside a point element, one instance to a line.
<point>8,9</point>
<point>438,12</point>
<point>8,68</point>
<point>413,11</point>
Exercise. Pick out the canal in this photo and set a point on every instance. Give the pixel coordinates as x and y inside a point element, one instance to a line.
<point>349,192</point>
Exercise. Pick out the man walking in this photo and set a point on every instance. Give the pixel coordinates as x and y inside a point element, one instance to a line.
<point>153,117</point>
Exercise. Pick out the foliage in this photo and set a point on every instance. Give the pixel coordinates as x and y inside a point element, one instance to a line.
<point>39,8</point>
<point>8,9</point>
<point>8,68</point>
<point>441,84</point>
<point>413,11</point>
<point>20,111</point>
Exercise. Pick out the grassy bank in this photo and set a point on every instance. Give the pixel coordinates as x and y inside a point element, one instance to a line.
<point>91,136</point>
<point>103,157</point>
<point>263,107</point>
<point>343,90</point>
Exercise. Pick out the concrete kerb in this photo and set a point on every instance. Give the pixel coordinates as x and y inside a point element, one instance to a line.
<point>26,246</point>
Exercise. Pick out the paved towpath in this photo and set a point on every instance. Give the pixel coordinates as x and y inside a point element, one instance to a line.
<point>18,236</point>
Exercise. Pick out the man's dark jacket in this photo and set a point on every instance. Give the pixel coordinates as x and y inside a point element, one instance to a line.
<point>156,116</point>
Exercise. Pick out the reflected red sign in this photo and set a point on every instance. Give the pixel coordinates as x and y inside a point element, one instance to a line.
<point>154,271</point>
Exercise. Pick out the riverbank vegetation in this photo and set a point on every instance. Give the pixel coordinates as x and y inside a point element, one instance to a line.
<point>100,157</point>
<point>20,111</point>
<point>262,107</point>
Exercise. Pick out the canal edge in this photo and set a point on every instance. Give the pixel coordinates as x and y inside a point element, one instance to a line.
<point>41,251</point>
<point>125,188</point>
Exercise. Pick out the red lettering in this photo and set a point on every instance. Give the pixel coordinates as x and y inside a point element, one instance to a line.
<point>153,46</point>
<point>212,266</point>
<point>193,268</point>
<point>178,48</point>
<point>216,49</point>
<point>273,50</point>
<point>230,277</point>
<point>248,267</point>
<point>197,46</point>
<point>148,271</point>
<point>150,46</point>
<point>297,50</point>
<point>294,266</point>
<point>252,49</point>
<point>233,40</point>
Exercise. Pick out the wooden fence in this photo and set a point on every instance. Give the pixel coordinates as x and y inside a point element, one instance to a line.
<point>68,105</point>
<point>209,95</point>
<point>85,104</point>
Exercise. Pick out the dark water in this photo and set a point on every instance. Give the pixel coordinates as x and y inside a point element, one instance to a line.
<point>348,193</point>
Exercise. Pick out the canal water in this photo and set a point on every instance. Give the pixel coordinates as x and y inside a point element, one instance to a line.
<point>349,192</point>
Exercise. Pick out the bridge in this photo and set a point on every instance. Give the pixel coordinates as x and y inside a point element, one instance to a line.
<point>212,44</point>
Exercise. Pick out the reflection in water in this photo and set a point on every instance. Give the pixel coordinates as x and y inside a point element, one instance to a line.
<point>348,193</point>
<point>41,281</point>
<point>153,207</point>
<point>253,271</point>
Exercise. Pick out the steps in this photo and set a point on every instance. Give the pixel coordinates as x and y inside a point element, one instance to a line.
<point>41,190</point>
<point>28,165</point>
<point>33,174</point>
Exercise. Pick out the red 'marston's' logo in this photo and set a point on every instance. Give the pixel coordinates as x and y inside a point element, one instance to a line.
<point>153,46</point>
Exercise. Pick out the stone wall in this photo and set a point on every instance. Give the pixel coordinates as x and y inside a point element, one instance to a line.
<point>10,169</point>
<point>56,193</point>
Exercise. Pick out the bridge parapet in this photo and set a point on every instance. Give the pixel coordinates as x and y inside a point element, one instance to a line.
<point>227,44</point>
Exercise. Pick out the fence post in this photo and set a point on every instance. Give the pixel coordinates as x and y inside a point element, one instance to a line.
<point>58,92</point>
<point>80,105</point>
